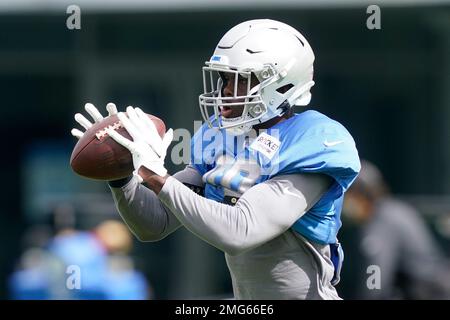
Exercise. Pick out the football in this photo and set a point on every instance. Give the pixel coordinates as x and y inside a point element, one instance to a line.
<point>98,156</point>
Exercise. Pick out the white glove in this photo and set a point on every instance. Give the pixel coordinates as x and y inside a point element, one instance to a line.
<point>147,148</point>
<point>93,112</point>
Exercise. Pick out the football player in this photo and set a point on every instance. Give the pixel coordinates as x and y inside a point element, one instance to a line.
<point>265,185</point>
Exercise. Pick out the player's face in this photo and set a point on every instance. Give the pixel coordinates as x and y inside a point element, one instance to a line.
<point>228,91</point>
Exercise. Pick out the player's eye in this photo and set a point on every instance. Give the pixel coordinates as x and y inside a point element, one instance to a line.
<point>242,80</point>
<point>224,76</point>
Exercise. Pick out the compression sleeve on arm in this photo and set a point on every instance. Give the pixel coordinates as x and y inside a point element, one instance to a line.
<point>262,213</point>
<point>143,212</point>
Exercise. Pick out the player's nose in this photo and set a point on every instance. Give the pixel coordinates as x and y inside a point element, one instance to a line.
<point>228,90</point>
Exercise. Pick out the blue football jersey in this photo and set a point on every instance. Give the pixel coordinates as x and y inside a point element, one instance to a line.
<point>308,142</point>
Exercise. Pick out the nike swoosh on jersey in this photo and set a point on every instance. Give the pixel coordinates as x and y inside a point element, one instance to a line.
<point>332,143</point>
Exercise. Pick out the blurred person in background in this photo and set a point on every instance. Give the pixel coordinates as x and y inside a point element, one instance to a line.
<point>35,272</point>
<point>40,274</point>
<point>98,257</point>
<point>123,281</point>
<point>393,236</point>
<point>106,270</point>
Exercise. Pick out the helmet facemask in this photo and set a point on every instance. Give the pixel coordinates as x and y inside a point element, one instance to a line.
<point>213,101</point>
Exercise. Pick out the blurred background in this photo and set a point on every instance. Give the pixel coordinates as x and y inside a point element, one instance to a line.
<point>389,87</point>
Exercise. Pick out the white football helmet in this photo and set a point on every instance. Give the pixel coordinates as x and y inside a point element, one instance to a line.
<point>276,54</point>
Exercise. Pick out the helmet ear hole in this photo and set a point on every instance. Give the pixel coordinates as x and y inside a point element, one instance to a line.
<point>285,88</point>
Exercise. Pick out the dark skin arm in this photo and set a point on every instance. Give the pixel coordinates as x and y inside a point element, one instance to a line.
<point>152,180</point>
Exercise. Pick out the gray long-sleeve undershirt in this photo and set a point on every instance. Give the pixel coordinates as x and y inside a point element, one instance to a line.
<point>262,213</point>
<point>145,215</point>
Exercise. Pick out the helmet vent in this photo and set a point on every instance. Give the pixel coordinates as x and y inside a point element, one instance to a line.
<point>285,88</point>
<point>300,41</point>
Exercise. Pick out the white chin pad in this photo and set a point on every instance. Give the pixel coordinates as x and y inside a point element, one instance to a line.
<point>238,129</point>
<point>230,121</point>
<point>304,100</point>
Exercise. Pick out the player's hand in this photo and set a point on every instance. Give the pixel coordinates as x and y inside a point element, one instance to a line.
<point>147,148</point>
<point>95,115</point>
